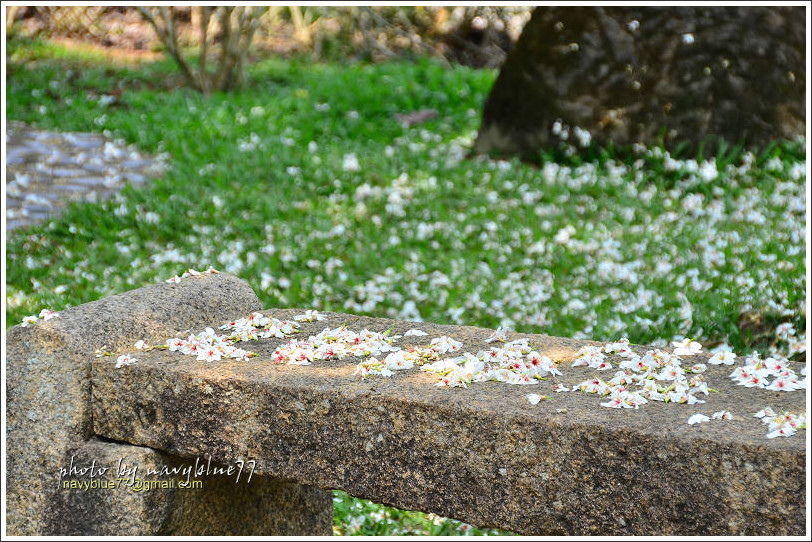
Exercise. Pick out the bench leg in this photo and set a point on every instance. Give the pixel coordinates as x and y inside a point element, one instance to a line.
<point>118,502</point>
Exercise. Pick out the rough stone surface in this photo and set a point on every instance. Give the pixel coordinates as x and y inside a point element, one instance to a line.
<point>481,454</point>
<point>48,377</point>
<point>628,74</point>
<point>220,506</point>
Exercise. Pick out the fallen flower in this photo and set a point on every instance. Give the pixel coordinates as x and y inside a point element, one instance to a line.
<point>125,359</point>
<point>534,398</point>
<point>724,357</point>
<point>698,418</point>
<point>310,316</point>
<point>498,335</point>
<point>686,347</point>
<point>29,320</point>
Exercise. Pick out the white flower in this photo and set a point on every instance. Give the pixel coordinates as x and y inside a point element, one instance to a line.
<point>125,359</point>
<point>686,347</point>
<point>29,320</point>
<point>47,314</point>
<point>534,398</point>
<point>141,345</point>
<point>784,384</point>
<point>174,279</point>
<point>785,331</point>
<point>765,412</point>
<point>397,361</point>
<point>723,357</point>
<point>445,344</point>
<point>498,335</point>
<point>698,418</point>
<point>351,163</point>
<point>415,333</point>
<point>310,316</point>
<point>722,415</point>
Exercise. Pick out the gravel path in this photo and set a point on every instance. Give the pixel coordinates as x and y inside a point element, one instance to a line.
<point>45,171</point>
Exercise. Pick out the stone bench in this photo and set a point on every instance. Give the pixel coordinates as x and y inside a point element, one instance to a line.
<point>482,454</point>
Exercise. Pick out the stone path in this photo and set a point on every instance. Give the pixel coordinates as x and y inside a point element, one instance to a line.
<point>46,171</point>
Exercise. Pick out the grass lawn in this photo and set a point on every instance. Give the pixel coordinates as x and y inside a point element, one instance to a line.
<point>305,185</point>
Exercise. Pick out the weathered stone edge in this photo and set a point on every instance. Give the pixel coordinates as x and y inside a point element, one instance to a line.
<point>48,378</point>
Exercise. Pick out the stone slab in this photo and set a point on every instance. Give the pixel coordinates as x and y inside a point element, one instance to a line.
<point>48,387</point>
<point>482,454</point>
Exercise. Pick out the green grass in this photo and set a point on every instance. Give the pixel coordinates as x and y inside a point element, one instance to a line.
<point>593,249</point>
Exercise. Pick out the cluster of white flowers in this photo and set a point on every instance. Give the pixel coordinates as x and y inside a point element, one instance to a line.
<point>396,195</point>
<point>756,373</point>
<point>782,424</point>
<point>44,314</point>
<point>207,346</point>
<point>516,363</point>
<point>395,361</point>
<point>337,343</point>
<point>657,375</point>
<point>211,346</point>
<point>258,326</point>
<point>795,343</point>
<point>192,273</point>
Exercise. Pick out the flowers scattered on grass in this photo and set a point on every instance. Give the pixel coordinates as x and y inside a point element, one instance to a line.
<point>350,163</point>
<point>786,335</point>
<point>44,314</point>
